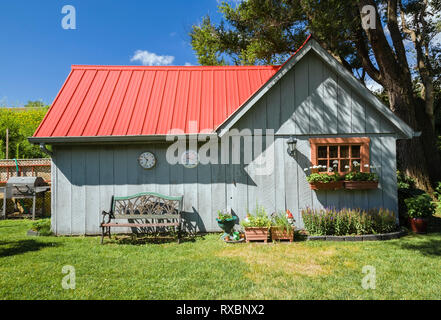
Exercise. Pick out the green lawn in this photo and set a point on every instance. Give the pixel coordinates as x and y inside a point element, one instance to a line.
<point>206,268</point>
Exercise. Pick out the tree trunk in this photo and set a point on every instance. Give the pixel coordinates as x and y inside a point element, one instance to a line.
<point>418,157</point>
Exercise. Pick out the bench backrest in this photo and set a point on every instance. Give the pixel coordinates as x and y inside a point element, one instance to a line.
<point>147,205</point>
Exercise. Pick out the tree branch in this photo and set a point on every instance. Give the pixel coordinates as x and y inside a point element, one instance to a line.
<point>395,33</point>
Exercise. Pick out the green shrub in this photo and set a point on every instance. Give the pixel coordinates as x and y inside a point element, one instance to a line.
<point>223,216</point>
<point>260,219</point>
<point>420,206</point>
<point>43,227</point>
<point>404,181</point>
<point>348,221</point>
<point>361,176</point>
<point>323,177</point>
<point>281,220</point>
<point>21,124</point>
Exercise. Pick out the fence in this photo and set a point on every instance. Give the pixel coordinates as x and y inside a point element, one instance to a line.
<point>26,168</point>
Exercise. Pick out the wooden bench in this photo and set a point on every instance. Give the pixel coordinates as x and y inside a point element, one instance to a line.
<point>143,210</point>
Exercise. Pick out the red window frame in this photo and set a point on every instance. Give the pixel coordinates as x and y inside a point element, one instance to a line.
<point>363,142</point>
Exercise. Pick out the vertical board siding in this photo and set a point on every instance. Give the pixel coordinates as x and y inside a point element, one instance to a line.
<point>389,177</point>
<point>78,206</point>
<point>64,191</point>
<point>309,101</point>
<point>54,179</point>
<point>93,203</point>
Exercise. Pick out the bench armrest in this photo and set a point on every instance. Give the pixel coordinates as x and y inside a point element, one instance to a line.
<point>106,217</point>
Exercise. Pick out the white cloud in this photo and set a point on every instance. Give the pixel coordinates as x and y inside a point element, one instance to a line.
<point>188,64</point>
<point>151,59</point>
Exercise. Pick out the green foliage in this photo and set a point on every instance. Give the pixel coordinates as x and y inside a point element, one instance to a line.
<point>281,220</point>
<point>420,206</point>
<point>205,42</point>
<point>404,181</point>
<point>348,221</point>
<point>323,177</point>
<point>259,219</point>
<point>223,216</point>
<point>21,124</point>
<point>361,176</point>
<point>43,227</point>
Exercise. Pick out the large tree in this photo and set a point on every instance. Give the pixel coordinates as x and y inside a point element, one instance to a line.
<point>397,53</point>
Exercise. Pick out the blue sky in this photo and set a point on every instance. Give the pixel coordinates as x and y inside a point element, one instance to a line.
<point>36,52</point>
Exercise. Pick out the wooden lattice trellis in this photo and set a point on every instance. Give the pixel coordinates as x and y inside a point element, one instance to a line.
<point>26,168</point>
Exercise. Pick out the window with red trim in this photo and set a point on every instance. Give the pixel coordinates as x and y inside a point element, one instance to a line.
<point>340,154</point>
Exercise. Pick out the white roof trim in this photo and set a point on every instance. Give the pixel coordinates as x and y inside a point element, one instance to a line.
<point>400,125</point>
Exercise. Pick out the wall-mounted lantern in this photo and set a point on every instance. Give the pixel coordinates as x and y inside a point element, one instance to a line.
<point>292,146</point>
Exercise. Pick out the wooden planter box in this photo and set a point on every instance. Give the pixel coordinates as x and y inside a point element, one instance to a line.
<point>361,185</point>
<point>279,233</point>
<point>256,234</point>
<point>336,185</point>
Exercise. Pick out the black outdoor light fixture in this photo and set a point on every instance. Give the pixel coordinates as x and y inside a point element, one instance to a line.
<point>292,146</point>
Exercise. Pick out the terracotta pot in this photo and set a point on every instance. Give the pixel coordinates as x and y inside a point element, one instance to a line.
<point>361,185</point>
<point>418,225</point>
<point>256,234</point>
<point>335,185</point>
<point>280,233</point>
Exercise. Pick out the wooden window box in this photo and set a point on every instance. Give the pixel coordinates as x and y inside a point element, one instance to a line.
<point>335,185</point>
<point>360,185</point>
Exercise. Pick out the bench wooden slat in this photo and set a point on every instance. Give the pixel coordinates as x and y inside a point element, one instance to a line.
<point>171,224</point>
<point>146,216</point>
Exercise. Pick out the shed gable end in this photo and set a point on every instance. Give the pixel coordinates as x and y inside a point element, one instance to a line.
<point>313,99</point>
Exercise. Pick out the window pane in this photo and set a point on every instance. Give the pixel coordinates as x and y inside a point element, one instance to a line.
<point>333,163</point>
<point>333,152</point>
<point>356,163</point>
<point>322,152</point>
<point>323,163</point>
<point>355,152</point>
<point>344,165</point>
<point>344,152</point>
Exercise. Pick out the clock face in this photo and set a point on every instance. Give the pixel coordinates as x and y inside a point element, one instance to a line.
<point>190,159</point>
<point>147,160</point>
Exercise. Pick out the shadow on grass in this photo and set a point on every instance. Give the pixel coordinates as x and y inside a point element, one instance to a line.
<point>434,225</point>
<point>138,239</point>
<point>427,247</point>
<point>12,248</point>
<point>423,243</point>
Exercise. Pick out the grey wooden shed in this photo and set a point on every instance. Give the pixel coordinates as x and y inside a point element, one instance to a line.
<point>105,118</point>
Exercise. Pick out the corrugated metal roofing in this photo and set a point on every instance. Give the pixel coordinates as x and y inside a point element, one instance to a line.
<point>132,100</point>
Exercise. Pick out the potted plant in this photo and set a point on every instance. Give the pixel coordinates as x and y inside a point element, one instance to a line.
<point>257,226</point>
<point>328,180</point>
<point>419,209</point>
<point>283,226</point>
<point>226,222</point>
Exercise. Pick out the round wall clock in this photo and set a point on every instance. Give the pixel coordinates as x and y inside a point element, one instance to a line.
<point>147,160</point>
<point>190,159</point>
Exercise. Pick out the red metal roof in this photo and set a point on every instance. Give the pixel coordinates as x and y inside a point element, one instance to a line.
<point>132,100</point>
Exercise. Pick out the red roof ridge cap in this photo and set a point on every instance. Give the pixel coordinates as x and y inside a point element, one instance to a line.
<point>126,67</point>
